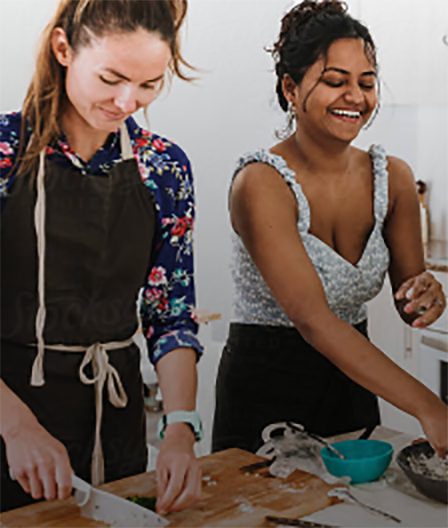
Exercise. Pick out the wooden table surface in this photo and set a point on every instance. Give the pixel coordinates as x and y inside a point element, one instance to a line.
<point>230,497</point>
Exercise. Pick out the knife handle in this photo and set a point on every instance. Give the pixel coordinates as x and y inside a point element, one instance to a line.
<point>82,490</point>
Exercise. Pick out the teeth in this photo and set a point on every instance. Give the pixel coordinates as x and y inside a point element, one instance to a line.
<point>347,113</point>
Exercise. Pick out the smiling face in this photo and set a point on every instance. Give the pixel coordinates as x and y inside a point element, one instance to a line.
<point>110,78</point>
<point>336,96</point>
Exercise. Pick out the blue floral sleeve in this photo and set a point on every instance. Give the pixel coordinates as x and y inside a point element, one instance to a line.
<point>168,299</point>
<point>9,143</point>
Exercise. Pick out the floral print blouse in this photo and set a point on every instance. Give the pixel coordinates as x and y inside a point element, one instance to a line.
<point>167,300</point>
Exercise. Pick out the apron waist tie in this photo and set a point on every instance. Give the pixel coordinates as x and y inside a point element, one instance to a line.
<point>103,371</point>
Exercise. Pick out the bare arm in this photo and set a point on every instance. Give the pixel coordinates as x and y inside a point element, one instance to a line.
<point>264,214</point>
<point>414,288</point>
<point>178,471</point>
<point>37,460</point>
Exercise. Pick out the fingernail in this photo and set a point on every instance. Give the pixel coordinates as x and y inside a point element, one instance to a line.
<point>410,293</point>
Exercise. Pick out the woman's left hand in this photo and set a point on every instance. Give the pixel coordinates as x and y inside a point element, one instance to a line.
<point>423,297</point>
<point>179,475</point>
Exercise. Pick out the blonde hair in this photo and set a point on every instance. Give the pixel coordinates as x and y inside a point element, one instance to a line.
<point>41,109</point>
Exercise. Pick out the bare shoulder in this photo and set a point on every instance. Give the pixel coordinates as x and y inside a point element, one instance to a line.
<point>400,174</point>
<point>258,180</point>
<point>259,191</point>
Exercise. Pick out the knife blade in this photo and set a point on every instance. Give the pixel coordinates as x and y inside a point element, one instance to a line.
<point>111,509</point>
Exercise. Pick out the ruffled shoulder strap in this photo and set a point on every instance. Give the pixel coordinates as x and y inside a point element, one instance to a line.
<point>279,164</point>
<point>381,181</point>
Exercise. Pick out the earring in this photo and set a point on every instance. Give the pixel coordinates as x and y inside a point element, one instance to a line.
<point>291,111</point>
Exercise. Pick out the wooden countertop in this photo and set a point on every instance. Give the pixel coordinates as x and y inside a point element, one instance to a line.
<point>230,497</point>
<point>437,265</point>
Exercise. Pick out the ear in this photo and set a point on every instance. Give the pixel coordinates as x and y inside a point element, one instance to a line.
<point>61,47</point>
<point>289,87</point>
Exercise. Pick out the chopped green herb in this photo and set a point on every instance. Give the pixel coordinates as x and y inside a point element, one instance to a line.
<point>146,502</point>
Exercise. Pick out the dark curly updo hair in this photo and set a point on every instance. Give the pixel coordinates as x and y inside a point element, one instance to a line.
<point>307,31</point>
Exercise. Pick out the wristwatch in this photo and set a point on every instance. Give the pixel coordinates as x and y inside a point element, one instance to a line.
<point>191,418</point>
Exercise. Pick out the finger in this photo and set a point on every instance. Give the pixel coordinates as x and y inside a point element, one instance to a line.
<point>48,481</point>
<point>403,289</point>
<point>419,440</point>
<point>24,481</point>
<point>417,290</point>
<point>441,451</point>
<point>36,487</point>
<point>172,491</point>
<point>420,304</point>
<point>162,484</point>
<point>424,297</point>
<point>64,474</point>
<point>191,492</point>
<point>429,309</point>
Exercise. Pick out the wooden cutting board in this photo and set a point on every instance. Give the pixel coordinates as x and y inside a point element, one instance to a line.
<point>230,497</point>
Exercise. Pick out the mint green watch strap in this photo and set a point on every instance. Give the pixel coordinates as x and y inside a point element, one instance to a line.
<point>191,418</point>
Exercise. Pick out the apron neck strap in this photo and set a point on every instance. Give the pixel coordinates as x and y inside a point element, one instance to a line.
<point>37,374</point>
<point>125,143</point>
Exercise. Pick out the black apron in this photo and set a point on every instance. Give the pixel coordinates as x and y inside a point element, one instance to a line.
<point>99,232</point>
<point>270,374</point>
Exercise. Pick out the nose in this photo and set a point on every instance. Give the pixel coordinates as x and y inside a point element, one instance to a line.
<point>354,93</point>
<point>126,99</point>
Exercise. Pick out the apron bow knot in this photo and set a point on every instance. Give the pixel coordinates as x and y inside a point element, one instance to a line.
<point>102,371</point>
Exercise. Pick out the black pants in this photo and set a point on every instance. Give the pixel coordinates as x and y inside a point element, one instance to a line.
<point>65,407</point>
<point>270,374</point>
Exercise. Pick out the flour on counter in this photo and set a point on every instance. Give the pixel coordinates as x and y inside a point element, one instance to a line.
<point>243,504</point>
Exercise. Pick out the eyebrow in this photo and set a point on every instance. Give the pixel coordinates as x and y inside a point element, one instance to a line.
<point>121,76</point>
<point>345,72</point>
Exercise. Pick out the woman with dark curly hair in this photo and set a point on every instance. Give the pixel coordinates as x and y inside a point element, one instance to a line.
<point>318,223</point>
<point>94,209</point>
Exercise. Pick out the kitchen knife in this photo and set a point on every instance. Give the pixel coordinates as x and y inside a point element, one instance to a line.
<point>112,509</point>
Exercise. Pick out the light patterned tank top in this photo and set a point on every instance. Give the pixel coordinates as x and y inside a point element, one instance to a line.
<point>347,286</point>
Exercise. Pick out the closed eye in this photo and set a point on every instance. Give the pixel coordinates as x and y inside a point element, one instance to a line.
<point>109,81</point>
<point>333,84</point>
<point>366,86</point>
<point>337,84</point>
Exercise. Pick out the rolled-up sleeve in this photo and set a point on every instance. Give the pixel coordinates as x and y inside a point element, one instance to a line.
<point>167,307</point>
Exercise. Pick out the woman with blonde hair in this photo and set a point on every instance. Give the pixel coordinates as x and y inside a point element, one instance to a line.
<point>95,208</point>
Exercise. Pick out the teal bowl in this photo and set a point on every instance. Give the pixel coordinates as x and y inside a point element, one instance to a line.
<point>365,460</point>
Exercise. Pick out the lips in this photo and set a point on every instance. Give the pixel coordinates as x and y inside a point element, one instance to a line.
<point>116,116</point>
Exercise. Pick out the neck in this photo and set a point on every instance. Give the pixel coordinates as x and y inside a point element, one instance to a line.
<point>82,138</point>
<point>320,155</point>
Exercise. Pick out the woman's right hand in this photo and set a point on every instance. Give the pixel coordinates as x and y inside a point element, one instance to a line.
<point>435,427</point>
<point>39,462</point>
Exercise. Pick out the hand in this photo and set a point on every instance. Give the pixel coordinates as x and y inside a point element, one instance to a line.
<point>422,298</point>
<point>179,475</point>
<point>38,461</point>
<point>435,426</point>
